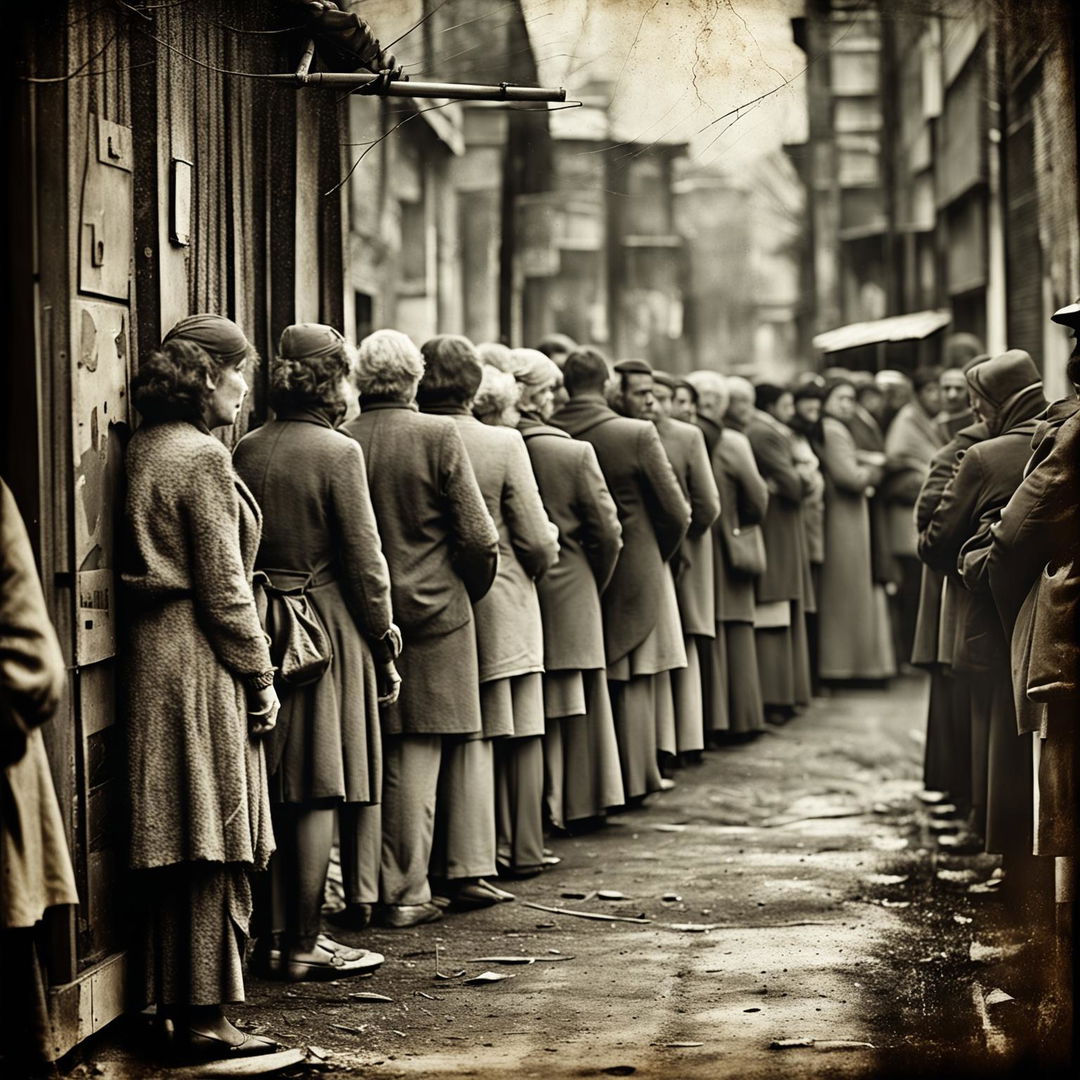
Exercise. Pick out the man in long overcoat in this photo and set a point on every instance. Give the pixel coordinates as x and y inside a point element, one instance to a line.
<point>783,592</point>
<point>638,643</point>
<point>692,567</point>
<point>1006,393</point>
<point>583,778</point>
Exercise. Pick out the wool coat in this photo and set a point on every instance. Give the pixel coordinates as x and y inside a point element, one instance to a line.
<point>786,567</point>
<point>577,500</point>
<point>653,514</point>
<point>442,549</point>
<point>509,633</point>
<point>693,565</point>
<point>986,478</point>
<point>806,461</point>
<point>910,444</point>
<point>744,496</point>
<point>712,431</point>
<point>855,642</point>
<point>197,778</point>
<point>319,526</point>
<point>35,867</point>
<point>870,442</point>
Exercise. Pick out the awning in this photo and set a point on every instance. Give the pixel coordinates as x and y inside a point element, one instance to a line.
<point>912,327</point>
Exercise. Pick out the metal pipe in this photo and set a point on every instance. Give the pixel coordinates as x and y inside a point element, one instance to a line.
<point>305,62</point>
<point>408,88</point>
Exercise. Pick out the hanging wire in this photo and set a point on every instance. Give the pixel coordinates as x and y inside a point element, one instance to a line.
<point>415,26</point>
<point>80,70</point>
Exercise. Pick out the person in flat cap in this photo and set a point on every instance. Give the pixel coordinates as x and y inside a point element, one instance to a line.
<point>642,634</point>
<point>631,392</point>
<point>1007,395</point>
<point>320,537</point>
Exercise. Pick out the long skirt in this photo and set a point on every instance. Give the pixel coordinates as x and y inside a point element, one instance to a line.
<point>714,689</point>
<point>519,803</point>
<point>1009,782</point>
<point>687,689</point>
<point>783,658</point>
<point>947,761</point>
<point>634,704</point>
<point>582,776</point>
<point>746,710</point>
<point>195,928</point>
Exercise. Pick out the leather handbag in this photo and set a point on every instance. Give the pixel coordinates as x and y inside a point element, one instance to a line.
<point>299,645</point>
<point>745,548</point>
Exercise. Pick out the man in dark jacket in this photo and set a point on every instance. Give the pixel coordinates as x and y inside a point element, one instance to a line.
<point>1006,394</point>
<point>654,517</point>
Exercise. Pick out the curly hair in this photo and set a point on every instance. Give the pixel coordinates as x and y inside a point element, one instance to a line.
<point>310,382</point>
<point>452,370</point>
<point>498,392</point>
<point>171,383</point>
<point>388,366</point>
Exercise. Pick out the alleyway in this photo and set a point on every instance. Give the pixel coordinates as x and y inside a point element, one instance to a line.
<point>810,906</point>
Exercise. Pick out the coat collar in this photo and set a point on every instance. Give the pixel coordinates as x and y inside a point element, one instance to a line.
<point>307,416</point>
<point>447,408</point>
<point>376,406</point>
<point>533,425</point>
<point>582,413</point>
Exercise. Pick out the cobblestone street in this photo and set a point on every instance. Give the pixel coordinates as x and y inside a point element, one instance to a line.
<point>794,894</point>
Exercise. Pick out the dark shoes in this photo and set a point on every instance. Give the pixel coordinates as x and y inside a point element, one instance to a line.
<point>195,1045</point>
<point>402,916</point>
<point>351,917</point>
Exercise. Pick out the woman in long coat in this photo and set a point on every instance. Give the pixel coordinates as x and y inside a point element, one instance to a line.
<point>582,775</point>
<point>744,499</point>
<point>319,535</point>
<point>855,638</point>
<point>442,548</point>
<point>35,866</point>
<point>198,681</point>
<point>509,633</point>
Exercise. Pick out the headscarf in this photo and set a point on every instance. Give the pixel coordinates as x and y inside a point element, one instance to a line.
<point>303,340</point>
<point>1011,385</point>
<point>217,335</point>
<point>532,368</point>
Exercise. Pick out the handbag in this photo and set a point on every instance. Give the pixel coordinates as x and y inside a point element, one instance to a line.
<point>745,548</point>
<point>299,646</point>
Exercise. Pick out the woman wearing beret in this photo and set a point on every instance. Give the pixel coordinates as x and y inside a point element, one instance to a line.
<point>319,535</point>
<point>199,682</point>
<point>509,634</point>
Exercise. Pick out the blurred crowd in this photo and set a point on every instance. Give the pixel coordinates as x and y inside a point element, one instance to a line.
<point>451,600</point>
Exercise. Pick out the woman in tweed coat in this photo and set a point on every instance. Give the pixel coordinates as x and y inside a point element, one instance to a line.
<point>319,533</point>
<point>509,634</point>
<point>442,548</point>
<point>199,684</point>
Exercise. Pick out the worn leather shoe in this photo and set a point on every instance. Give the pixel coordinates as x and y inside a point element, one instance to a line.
<point>351,917</point>
<point>401,916</point>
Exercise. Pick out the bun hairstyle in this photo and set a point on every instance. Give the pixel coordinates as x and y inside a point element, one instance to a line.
<point>171,383</point>
<point>310,382</point>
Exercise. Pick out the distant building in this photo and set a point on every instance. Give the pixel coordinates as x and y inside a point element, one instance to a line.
<point>940,168</point>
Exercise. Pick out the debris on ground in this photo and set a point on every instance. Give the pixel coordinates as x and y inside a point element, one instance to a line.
<point>366,995</point>
<point>585,914</point>
<point>959,877</point>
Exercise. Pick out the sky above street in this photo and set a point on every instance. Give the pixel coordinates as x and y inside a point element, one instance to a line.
<point>681,70</point>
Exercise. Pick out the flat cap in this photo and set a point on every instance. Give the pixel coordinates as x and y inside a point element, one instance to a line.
<point>633,367</point>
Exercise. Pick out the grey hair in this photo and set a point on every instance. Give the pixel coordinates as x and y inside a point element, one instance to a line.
<point>498,391</point>
<point>497,355</point>
<point>737,386</point>
<point>713,394</point>
<point>388,365</point>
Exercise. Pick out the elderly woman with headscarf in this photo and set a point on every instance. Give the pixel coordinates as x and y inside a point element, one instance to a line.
<point>320,541</point>
<point>853,618</point>
<point>199,684</point>
<point>582,776</point>
<point>442,549</point>
<point>509,632</point>
<point>1007,394</point>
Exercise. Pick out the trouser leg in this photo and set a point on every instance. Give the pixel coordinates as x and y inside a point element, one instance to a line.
<point>410,780</point>
<point>298,869</point>
<point>554,771</point>
<point>519,777</point>
<point>687,689</point>
<point>465,813</point>
<point>360,830</point>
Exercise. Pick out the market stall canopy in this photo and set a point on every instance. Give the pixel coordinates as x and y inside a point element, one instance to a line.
<point>912,327</point>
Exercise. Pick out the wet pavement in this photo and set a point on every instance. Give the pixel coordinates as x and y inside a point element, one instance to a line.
<point>802,920</point>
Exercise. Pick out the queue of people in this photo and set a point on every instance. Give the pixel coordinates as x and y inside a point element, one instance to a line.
<point>451,599</point>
